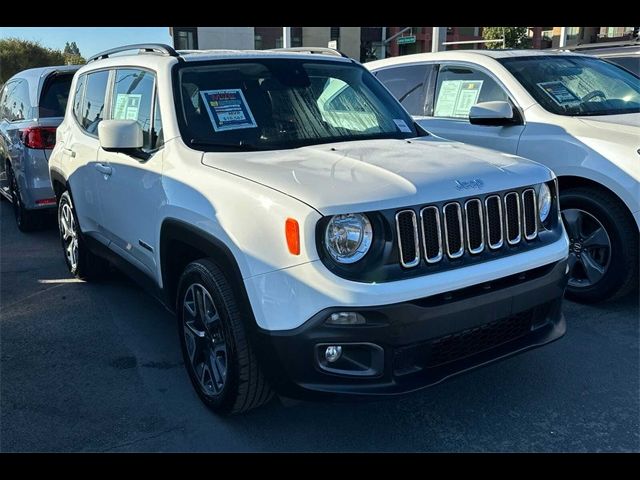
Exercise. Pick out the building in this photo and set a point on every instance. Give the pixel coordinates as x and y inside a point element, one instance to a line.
<point>371,43</point>
<point>348,39</point>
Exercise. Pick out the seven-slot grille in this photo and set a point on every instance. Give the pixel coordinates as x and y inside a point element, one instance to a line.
<point>466,227</point>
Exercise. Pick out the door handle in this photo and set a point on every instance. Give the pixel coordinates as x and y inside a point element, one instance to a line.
<point>70,152</point>
<point>104,169</point>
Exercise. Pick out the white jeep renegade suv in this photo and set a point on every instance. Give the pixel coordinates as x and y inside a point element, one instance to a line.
<point>310,237</point>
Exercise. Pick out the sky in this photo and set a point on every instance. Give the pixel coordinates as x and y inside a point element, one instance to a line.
<point>90,40</point>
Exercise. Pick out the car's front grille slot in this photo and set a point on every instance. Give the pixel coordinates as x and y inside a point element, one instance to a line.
<point>495,230</point>
<point>407,229</point>
<point>512,220</point>
<point>474,224</point>
<point>529,214</point>
<point>431,234</point>
<point>449,231</point>
<point>453,232</point>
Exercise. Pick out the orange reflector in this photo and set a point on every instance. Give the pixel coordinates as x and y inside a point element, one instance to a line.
<point>292,232</point>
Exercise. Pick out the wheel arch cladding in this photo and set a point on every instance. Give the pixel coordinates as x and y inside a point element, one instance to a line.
<point>182,243</point>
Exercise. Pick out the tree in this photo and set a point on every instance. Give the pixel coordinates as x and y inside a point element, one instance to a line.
<point>17,55</point>
<point>71,48</point>
<point>515,37</point>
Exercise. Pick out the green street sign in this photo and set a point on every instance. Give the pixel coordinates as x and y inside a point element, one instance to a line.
<point>407,39</point>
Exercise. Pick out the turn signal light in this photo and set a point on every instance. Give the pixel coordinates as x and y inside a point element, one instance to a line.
<point>292,232</point>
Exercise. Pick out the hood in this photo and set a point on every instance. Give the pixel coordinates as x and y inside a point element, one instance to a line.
<point>371,175</point>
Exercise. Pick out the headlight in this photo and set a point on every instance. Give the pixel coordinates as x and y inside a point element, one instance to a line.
<point>544,202</point>
<point>348,237</point>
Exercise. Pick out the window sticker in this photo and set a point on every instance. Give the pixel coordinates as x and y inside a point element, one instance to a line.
<point>228,109</point>
<point>559,93</point>
<point>402,125</point>
<point>127,106</point>
<point>456,97</point>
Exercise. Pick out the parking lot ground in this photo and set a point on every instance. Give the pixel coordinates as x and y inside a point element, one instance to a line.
<point>97,367</point>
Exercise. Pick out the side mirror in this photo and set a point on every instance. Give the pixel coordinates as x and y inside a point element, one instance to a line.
<point>492,114</point>
<point>120,135</point>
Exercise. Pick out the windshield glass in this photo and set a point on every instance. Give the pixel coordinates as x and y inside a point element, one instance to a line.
<point>284,103</point>
<point>53,100</point>
<point>573,85</point>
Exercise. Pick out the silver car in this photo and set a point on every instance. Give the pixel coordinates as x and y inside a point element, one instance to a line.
<point>32,105</point>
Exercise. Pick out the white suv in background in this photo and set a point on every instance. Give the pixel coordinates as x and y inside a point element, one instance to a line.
<point>310,238</point>
<point>576,114</point>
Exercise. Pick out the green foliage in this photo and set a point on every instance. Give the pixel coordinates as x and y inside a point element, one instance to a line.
<point>515,37</point>
<point>71,48</point>
<point>17,55</point>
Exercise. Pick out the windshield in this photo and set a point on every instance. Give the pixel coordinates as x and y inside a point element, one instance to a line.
<point>284,103</point>
<point>574,85</point>
<point>53,100</point>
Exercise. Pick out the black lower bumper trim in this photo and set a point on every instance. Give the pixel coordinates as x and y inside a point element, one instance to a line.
<point>424,341</point>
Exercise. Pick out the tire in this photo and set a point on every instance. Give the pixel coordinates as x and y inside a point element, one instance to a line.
<point>82,263</point>
<point>619,274</point>
<point>230,381</point>
<point>26,220</point>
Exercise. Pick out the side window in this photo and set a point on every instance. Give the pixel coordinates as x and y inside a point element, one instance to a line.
<point>16,106</point>
<point>460,87</point>
<point>93,101</point>
<point>133,93</point>
<point>407,84</point>
<point>4,101</point>
<point>78,93</point>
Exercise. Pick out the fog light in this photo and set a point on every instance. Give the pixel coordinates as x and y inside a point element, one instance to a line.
<point>346,318</point>
<point>332,353</point>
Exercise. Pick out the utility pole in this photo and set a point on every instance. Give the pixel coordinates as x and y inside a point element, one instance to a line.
<point>438,37</point>
<point>286,37</point>
<point>563,37</point>
<point>383,45</point>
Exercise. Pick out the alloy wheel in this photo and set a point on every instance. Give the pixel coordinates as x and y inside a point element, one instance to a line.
<point>589,249</point>
<point>205,340</point>
<point>69,235</point>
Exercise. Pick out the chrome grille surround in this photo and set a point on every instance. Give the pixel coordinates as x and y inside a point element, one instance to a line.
<point>480,220</point>
<point>534,234</point>
<point>408,263</point>
<point>460,252</point>
<point>436,212</point>
<point>516,239</point>
<point>494,246</point>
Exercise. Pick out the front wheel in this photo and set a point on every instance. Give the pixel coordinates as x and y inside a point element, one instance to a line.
<point>218,356</point>
<point>82,263</point>
<point>603,251</point>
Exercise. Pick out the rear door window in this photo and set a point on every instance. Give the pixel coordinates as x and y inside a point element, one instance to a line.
<point>55,93</point>
<point>78,94</point>
<point>93,102</point>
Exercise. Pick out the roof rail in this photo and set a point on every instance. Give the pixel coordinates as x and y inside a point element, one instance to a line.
<point>598,45</point>
<point>323,50</point>
<point>141,47</point>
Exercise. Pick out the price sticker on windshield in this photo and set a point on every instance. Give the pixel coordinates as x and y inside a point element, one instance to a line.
<point>559,93</point>
<point>228,109</point>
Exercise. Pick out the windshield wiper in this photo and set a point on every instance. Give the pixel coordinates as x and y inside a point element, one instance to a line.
<point>235,146</point>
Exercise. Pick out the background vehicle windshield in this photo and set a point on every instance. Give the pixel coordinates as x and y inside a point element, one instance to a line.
<point>278,103</point>
<point>568,85</point>
<point>53,100</point>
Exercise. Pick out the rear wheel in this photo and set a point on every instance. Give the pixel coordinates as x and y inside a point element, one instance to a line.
<point>26,220</point>
<point>603,251</point>
<point>82,263</point>
<point>218,356</point>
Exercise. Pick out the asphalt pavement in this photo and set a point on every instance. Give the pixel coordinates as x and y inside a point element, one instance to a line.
<point>97,367</point>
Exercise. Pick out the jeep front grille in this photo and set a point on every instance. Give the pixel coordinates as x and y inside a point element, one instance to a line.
<point>458,228</point>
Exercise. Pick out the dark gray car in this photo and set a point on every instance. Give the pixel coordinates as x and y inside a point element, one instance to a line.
<point>32,105</point>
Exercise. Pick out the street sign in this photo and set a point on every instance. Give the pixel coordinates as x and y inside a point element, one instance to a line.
<point>333,44</point>
<point>407,39</point>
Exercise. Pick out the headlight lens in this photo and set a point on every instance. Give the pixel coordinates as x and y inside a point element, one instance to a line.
<point>348,237</point>
<point>544,202</point>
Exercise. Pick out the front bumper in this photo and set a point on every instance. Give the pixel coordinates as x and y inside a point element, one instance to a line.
<point>418,343</point>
